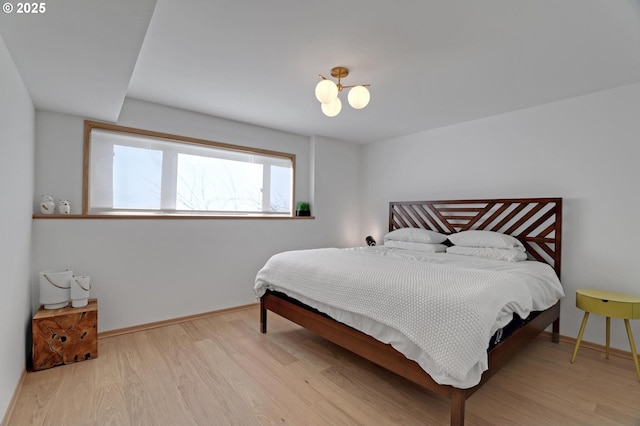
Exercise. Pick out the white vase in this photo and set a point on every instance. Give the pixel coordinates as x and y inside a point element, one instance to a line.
<point>80,286</point>
<point>47,205</point>
<point>55,288</point>
<point>64,207</point>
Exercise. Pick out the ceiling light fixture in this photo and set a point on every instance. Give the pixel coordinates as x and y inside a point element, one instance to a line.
<point>327,93</point>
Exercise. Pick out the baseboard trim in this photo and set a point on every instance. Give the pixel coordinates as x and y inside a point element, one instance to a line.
<point>148,326</point>
<point>594,346</point>
<point>14,398</point>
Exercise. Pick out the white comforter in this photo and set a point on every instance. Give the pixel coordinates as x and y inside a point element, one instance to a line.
<point>438,309</point>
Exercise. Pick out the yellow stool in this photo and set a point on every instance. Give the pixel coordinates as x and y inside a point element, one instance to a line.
<point>610,304</point>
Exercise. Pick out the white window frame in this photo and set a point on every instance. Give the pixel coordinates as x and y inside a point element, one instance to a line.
<point>186,145</point>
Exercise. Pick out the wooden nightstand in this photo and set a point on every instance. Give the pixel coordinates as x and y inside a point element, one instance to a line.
<point>65,335</point>
<point>609,304</point>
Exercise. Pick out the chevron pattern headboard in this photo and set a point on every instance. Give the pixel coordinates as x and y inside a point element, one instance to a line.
<point>536,222</point>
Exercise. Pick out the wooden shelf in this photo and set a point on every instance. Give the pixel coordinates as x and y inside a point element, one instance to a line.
<point>165,217</point>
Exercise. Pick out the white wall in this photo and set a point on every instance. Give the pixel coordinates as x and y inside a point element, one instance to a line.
<point>151,270</point>
<point>16,189</point>
<point>584,149</point>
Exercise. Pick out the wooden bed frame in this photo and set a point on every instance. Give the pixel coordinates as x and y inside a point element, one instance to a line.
<point>536,222</point>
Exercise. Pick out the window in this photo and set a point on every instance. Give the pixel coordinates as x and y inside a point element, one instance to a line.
<point>131,171</point>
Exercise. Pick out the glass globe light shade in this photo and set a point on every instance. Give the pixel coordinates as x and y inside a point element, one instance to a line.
<point>326,91</point>
<point>359,97</point>
<point>333,108</point>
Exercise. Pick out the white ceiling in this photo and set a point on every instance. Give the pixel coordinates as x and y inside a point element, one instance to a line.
<point>430,63</point>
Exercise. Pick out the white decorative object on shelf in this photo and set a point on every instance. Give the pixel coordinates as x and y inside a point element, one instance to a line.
<point>47,205</point>
<point>55,288</point>
<point>80,286</point>
<point>64,207</point>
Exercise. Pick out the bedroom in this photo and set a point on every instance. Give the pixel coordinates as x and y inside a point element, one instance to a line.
<point>580,146</point>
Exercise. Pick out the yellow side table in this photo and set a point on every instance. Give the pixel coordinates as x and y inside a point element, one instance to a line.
<point>610,304</point>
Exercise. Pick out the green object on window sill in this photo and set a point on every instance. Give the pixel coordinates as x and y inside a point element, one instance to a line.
<point>302,209</point>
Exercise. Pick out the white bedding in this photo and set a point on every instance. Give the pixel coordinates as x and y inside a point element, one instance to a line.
<point>437,309</point>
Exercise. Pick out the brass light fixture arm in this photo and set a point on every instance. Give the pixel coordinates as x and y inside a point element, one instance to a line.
<point>349,87</point>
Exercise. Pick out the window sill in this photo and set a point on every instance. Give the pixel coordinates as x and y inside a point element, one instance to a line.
<point>167,216</point>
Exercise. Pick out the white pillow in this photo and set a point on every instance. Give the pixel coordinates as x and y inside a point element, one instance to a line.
<point>415,235</point>
<point>485,239</point>
<point>510,255</point>
<point>428,247</point>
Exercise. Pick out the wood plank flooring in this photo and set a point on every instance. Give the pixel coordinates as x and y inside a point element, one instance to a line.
<point>220,370</point>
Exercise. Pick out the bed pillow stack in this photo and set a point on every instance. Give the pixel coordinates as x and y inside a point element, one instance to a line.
<point>416,239</point>
<point>487,244</point>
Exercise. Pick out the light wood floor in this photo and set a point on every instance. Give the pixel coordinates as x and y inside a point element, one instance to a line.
<point>220,370</point>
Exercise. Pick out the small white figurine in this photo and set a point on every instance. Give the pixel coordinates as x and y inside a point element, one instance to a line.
<point>47,206</point>
<point>64,207</point>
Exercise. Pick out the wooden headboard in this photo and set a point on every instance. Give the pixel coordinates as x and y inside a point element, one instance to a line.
<point>536,222</point>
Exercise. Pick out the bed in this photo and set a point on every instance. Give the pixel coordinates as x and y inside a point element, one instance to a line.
<point>536,223</point>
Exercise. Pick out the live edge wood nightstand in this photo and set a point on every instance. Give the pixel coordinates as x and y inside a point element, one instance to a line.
<point>609,304</point>
<point>64,336</point>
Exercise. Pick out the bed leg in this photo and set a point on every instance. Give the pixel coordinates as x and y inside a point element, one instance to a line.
<point>555,335</point>
<point>458,398</point>
<point>263,317</point>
